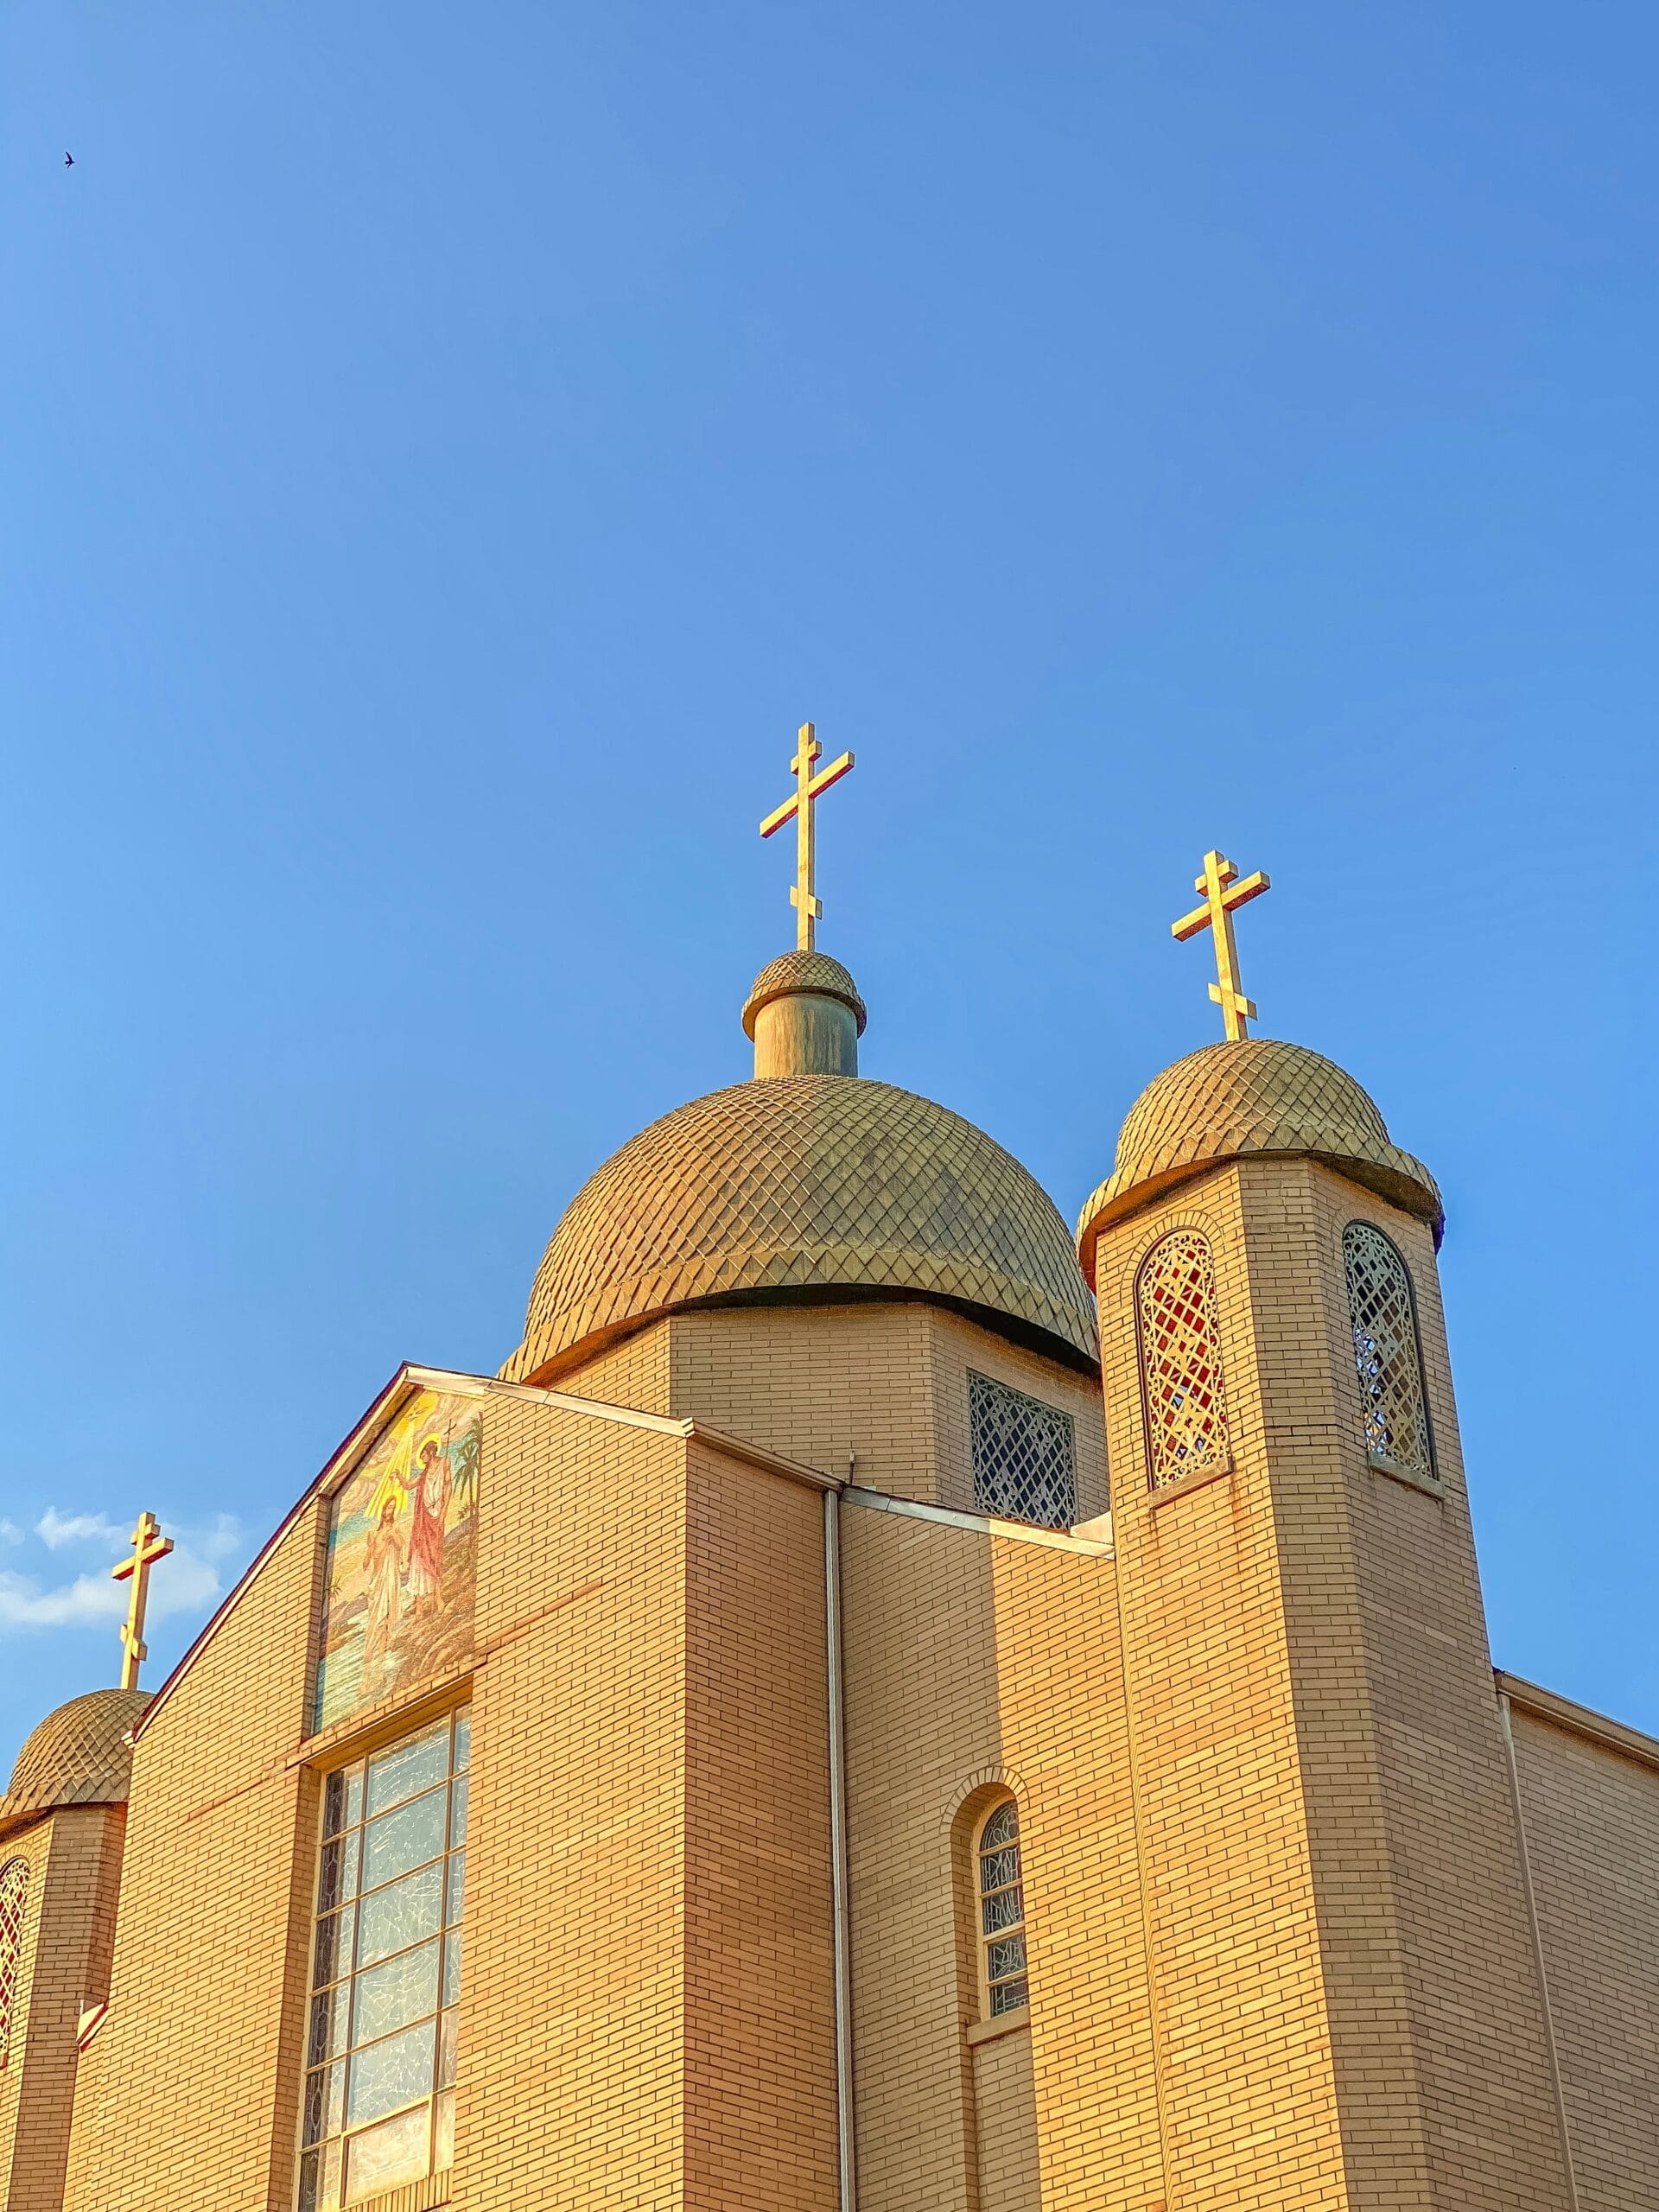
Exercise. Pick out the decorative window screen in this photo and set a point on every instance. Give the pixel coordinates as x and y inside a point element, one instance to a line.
<point>1002,1912</point>
<point>14,1897</point>
<point>1180,1360</point>
<point>1388,1354</point>
<point>1024,1464</point>
<point>379,2105</point>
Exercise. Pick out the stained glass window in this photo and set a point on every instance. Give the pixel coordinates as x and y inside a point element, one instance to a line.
<point>379,2104</point>
<point>1023,1466</point>
<point>1388,1354</point>
<point>1180,1360</point>
<point>1002,1901</point>
<point>14,1897</point>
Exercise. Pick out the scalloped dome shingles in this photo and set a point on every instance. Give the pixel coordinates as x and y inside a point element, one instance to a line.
<point>806,1183</point>
<point>77,1755</point>
<point>793,972</point>
<point>1253,1095</point>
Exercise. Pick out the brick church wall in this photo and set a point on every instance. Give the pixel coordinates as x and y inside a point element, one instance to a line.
<point>196,2060</point>
<point>975,1663</point>
<point>74,1860</point>
<point>1590,1807</point>
<point>887,1383</point>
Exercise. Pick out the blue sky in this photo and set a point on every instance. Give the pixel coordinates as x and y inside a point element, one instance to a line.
<point>447,451</point>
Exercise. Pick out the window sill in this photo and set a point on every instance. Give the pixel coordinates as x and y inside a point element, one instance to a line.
<point>1429,1484</point>
<point>414,2195</point>
<point>1183,1484</point>
<point>1003,2025</point>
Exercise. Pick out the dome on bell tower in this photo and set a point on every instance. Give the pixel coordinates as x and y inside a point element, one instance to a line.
<point>79,1755</point>
<point>1248,1096</point>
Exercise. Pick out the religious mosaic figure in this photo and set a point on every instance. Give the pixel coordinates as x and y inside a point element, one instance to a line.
<point>428,1500</point>
<point>402,1527</point>
<point>383,1566</point>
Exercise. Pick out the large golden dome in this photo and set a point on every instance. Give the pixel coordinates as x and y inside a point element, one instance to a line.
<point>799,1188</point>
<point>1253,1095</point>
<point>78,1756</point>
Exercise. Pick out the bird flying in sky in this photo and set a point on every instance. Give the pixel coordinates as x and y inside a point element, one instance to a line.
<point>68,161</point>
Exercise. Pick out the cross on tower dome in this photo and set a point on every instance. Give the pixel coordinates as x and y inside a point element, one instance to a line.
<point>1222,890</point>
<point>148,1545</point>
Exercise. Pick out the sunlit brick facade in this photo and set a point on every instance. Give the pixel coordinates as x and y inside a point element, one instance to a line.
<point>728,1812</point>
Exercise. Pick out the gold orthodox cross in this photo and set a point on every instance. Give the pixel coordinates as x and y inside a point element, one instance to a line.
<point>148,1545</point>
<point>808,789</point>
<point>1223,889</point>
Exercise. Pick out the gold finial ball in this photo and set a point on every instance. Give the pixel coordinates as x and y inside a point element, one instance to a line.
<point>805,1016</point>
<point>793,972</point>
<point>1252,1094</point>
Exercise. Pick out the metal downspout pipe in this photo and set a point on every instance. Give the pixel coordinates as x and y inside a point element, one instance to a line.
<point>842,1919</point>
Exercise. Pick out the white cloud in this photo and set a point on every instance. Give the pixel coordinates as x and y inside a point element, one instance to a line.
<point>23,1604</point>
<point>10,1531</point>
<point>55,1529</point>
<point>189,1581</point>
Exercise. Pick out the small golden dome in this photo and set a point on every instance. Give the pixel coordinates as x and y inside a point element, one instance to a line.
<point>794,972</point>
<point>78,1756</point>
<point>819,1187</point>
<point>1253,1095</point>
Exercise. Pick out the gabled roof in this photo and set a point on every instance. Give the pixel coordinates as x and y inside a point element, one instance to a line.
<point>409,1378</point>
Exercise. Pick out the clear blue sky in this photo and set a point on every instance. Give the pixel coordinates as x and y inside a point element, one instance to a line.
<point>448,449</point>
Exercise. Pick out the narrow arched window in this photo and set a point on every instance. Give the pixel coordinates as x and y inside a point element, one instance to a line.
<point>1388,1353</point>
<point>1002,1898</point>
<point>14,1897</point>
<point>1180,1360</point>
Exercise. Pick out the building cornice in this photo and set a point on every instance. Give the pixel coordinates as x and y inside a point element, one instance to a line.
<point>1578,1719</point>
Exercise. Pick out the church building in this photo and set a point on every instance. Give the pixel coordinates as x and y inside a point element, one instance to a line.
<point>967,1717</point>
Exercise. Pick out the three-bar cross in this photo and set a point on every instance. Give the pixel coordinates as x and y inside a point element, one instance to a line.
<point>1224,890</point>
<point>808,789</point>
<point>148,1545</point>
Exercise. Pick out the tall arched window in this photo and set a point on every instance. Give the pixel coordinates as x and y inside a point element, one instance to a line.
<point>1388,1353</point>
<point>1002,1900</point>
<point>1180,1360</point>
<point>14,1897</point>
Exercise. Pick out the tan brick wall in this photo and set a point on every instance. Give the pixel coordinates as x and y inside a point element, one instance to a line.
<point>975,1662</point>
<point>1242,2029</point>
<point>647,2007</point>
<point>647,2016</point>
<point>760,1989</point>
<point>74,1861</point>
<point>1592,1820</point>
<point>573,2000</point>
<point>634,1373</point>
<point>195,2061</point>
<point>1348,2012</point>
<point>887,1383</point>
<point>1005,2125</point>
<point>1477,2036</point>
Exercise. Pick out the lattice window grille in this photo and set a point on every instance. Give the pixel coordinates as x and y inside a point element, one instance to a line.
<point>1388,1353</point>
<point>1025,1467</point>
<point>1180,1361</point>
<point>1003,1912</point>
<point>14,1897</point>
